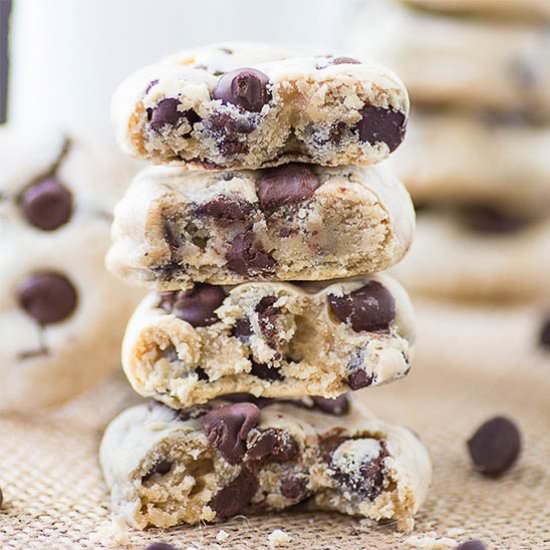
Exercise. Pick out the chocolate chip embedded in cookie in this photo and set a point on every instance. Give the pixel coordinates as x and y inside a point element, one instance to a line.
<point>495,446</point>
<point>473,544</point>
<point>246,88</point>
<point>379,125</point>
<point>160,546</point>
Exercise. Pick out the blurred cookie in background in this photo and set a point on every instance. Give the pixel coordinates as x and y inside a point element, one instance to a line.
<point>62,315</point>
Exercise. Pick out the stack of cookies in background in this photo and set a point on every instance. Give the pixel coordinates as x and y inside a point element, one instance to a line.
<point>261,232</point>
<point>477,167</point>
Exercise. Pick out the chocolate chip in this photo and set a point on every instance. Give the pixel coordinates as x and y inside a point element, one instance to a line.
<point>47,297</point>
<point>227,429</point>
<point>162,467</point>
<point>196,306</point>
<point>265,372</point>
<point>242,330</point>
<point>379,125</point>
<point>229,133</point>
<point>47,204</point>
<point>370,307</point>
<point>338,406</point>
<point>289,184</point>
<point>344,61</point>
<point>225,211</point>
<point>267,317</point>
<point>272,445</point>
<point>359,379</point>
<point>293,488</point>
<point>201,374</point>
<point>235,496</point>
<point>544,336</point>
<point>246,88</point>
<point>166,113</point>
<point>171,236</point>
<point>487,219</point>
<point>495,446</point>
<point>160,546</point>
<point>473,544</point>
<point>246,256</point>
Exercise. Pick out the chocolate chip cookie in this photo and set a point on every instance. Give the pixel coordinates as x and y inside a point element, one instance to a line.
<point>208,463</point>
<point>269,339</point>
<point>248,106</point>
<point>293,222</point>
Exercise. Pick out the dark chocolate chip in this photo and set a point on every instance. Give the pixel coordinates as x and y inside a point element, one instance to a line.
<point>166,113</point>
<point>47,204</point>
<point>338,406</point>
<point>242,330</point>
<point>379,125</point>
<point>267,317</point>
<point>370,307</point>
<point>368,481</point>
<point>473,544</point>
<point>289,184</point>
<point>265,372</point>
<point>160,546</point>
<point>294,488</point>
<point>246,88</point>
<point>196,306</point>
<point>229,133</point>
<point>47,297</point>
<point>272,445</point>
<point>194,412</point>
<point>487,219</point>
<point>544,336</point>
<point>201,374</point>
<point>235,496</point>
<point>161,468</point>
<point>246,256</point>
<point>495,446</point>
<point>359,379</point>
<point>171,236</point>
<point>227,429</point>
<point>225,211</point>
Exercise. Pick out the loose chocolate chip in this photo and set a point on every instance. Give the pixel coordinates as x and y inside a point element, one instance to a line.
<point>294,488</point>
<point>265,372</point>
<point>379,125</point>
<point>225,211</point>
<point>544,337</point>
<point>473,544</point>
<point>495,446</point>
<point>370,307</point>
<point>235,496</point>
<point>161,468</point>
<point>47,297</point>
<point>487,219</point>
<point>289,184</point>
<point>272,445</point>
<point>246,88</point>
<point>47,204</point>
<point>160,546</point>
<point>359,379</point>
<point>338,406</point>
<point>166,113</point>
<point>246,256</point>
<point>196,306</point>
<point>242,330</point>
<point>227,429</point>
<point>267,317</point>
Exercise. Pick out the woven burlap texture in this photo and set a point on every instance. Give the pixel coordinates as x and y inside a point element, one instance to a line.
<point>54,496</point>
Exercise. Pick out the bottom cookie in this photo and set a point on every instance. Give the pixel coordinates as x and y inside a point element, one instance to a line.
<point>244,455</point>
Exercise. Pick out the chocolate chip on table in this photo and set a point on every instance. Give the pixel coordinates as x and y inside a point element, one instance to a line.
<point>495,446</point>
<point>370,307</point>
<point>293,487</point>
<point>289,184</point>
<point>246,256</point>
<point>167,113</point>
<point>227,429</point>
<point>265,372</point>
<point>488,219</point>
<point>234,497</point>
<point>160,546</point>
<point>225,211</point>
<point>246,88</point>
<point>337,407</point>
<point>544,335</point>
<point>162,467</point>
<point>359,379</point>
<point>196,306</point>
<point>48,297</point>
<point>379,125</point>
<point>47,204</point>
<point>272,445</point>
<point>473,544</point>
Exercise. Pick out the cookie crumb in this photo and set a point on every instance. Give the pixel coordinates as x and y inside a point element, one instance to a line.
<point>278,538</point>
<point>222,536</point>
<point>431,542</point>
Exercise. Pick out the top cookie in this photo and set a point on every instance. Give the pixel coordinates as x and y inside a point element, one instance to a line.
<point>248,106</point>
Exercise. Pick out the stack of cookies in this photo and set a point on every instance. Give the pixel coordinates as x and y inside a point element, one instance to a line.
<point>261,231</point>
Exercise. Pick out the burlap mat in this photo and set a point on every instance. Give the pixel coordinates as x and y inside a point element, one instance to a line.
<point>55,498</point>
